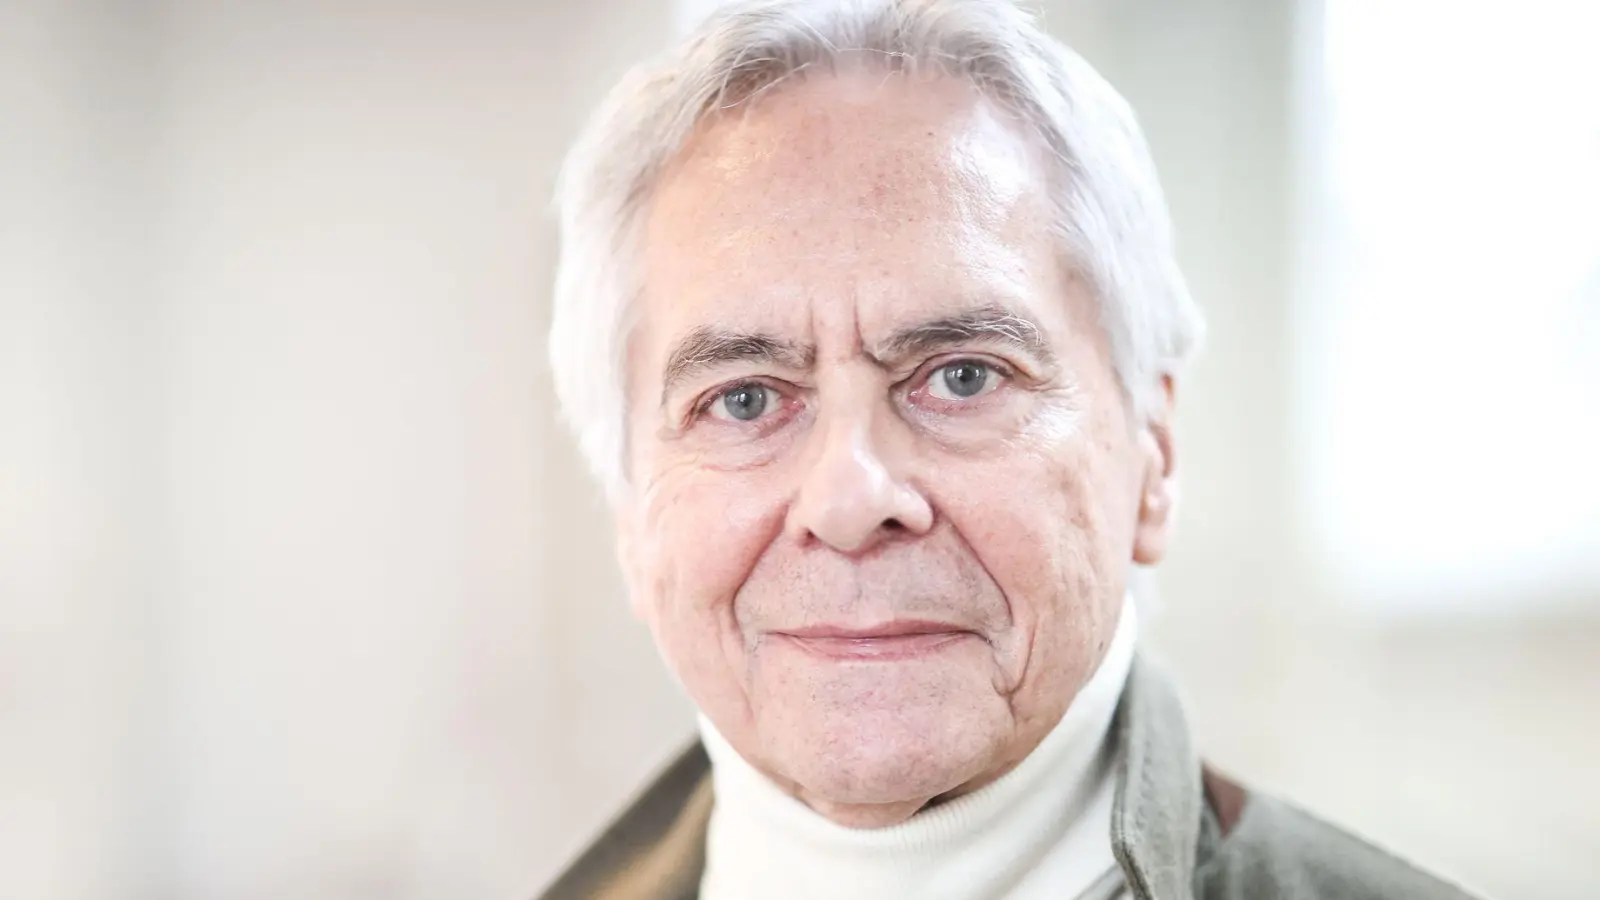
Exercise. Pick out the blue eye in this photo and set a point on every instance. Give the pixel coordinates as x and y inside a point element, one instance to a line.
<point>742,403</point>
<point>962,380</point>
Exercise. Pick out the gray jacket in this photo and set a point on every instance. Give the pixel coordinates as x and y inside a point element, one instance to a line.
<point>1179,830</point>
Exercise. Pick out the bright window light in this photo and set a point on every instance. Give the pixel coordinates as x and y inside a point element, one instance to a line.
<point>1451,412</point>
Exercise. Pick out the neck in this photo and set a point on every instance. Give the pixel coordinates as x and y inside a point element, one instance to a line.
<point>863,815</point>
<point>884,815</point>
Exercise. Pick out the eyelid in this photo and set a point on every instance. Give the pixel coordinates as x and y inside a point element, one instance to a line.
<point>917,380</point>
<point>711,394</point>
<point>925,371</point>
<point>702,404</point>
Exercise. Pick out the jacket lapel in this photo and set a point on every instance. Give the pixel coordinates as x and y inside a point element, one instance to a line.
<point>656,850</point>
<point>1155,821</point>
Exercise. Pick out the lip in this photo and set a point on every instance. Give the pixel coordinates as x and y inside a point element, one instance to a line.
<point>889,641</point>
<point>893,629</point>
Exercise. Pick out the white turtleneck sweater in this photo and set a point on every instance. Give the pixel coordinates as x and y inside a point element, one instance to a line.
<point>1041,830</point>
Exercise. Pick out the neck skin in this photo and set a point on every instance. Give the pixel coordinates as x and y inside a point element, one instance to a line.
<point>883,815</point>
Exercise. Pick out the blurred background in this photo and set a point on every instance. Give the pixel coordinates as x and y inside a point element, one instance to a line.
<point>303,592</point>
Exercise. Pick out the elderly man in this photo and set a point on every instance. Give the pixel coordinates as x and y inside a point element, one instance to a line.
<point>868,320</point>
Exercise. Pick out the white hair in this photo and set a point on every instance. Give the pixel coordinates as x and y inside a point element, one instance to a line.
<point>1110,213</point>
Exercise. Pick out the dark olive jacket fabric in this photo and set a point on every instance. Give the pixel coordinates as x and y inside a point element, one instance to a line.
<point>1179,830</point>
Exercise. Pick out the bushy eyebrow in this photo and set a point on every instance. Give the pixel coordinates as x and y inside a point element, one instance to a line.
<point>708,347</point>
<point>991,323</point>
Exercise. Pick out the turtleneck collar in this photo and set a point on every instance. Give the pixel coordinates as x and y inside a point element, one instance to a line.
<point>1042,829</point>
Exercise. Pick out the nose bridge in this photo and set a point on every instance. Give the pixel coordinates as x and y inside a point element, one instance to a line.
<point>852,461</point>
<point>853,490</point>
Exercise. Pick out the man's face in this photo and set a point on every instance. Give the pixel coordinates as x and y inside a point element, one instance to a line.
<point>885,488</point>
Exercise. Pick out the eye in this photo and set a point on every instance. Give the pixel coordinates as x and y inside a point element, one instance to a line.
<point>742,402</point>
<point>962,380</point>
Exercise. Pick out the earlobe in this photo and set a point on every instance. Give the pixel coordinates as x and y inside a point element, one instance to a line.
<point>1155,520</point>
<point>1158,495</point>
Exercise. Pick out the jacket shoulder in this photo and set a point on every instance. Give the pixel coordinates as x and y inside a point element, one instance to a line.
<point>655,850</point>
<point>1275,849</point>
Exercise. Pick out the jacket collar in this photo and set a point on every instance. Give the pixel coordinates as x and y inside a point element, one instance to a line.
<point>656,849</point>
<point>1156,818</point>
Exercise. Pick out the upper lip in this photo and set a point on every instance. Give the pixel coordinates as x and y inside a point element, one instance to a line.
<point>896,628</point>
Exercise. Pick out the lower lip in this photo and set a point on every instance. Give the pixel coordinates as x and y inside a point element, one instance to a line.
<point>891,647</point>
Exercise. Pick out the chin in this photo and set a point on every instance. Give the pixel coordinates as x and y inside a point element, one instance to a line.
<point>879,748</point>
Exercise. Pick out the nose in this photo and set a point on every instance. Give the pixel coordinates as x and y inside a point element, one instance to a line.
<point>851,499</point>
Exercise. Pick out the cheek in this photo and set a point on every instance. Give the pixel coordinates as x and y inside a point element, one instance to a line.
<point>1039,526</point>
<point>704,532</point>
<point>1043,518</point>
<point>1047,505</point>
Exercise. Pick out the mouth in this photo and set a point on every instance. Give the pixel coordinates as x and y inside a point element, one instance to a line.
<point>886,642</point>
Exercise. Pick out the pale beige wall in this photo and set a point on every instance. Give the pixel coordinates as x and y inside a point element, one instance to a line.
<point>399,652</point>
<point>76,448</point>
<point>283,498</point>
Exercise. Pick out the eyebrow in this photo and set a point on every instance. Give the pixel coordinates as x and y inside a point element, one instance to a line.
<point>990,323</point>
<point>708,347</point>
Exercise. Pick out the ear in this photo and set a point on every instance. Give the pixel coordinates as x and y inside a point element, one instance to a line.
<point>1158,485</point>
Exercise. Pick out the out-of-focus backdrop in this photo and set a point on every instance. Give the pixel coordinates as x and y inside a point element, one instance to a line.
<point>303,593</point>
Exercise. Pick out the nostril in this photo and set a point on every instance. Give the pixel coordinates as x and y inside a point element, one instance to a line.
<point>893,525</point>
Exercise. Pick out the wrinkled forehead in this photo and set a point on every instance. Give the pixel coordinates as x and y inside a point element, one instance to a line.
<point>874,196</point>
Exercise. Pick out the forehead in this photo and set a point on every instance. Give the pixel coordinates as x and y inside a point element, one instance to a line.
<point>860,195</point>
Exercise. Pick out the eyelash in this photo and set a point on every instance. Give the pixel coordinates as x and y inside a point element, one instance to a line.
<point>702,407</point>
<point>925,374</point>
<point>920,377</point>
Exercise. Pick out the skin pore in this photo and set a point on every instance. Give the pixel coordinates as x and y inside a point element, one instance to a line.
<point>885,487</point>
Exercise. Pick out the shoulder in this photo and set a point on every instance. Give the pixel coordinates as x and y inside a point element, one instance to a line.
<point>1276,849</point>
<point>655,850</point>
